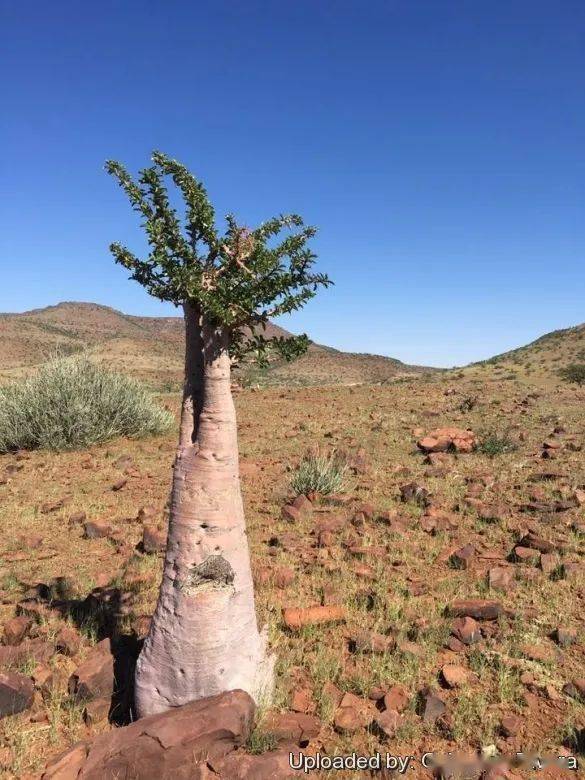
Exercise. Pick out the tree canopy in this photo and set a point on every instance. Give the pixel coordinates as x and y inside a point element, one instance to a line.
<point>238,279</point>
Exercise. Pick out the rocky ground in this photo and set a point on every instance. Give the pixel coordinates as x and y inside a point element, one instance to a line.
<point>447,587</point>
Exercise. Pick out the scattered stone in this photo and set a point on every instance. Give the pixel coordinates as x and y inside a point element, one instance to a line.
<point>526,555</point>
<point>146,513</point>
<point>154,540</point>
<point>77,518</point>
<point>549,562</point>
<point>396,698</point>
<point>565,636</point>
<point>480,609</point>
<point>412,492</point>
<point>575,689</point>
<point>304,506</point>
<point>454,676</point>
<point>16,693</point>
<point>463,557</point>
<point>500,578</point>
<point>537,653</point>
<point>294,618</point>
<point>466,630</point>
<point>16,629</point>
<point>284,577</point>
<point>291,513</point>
<point>96,711</point>
<point>372,642</point>
<point>387,723</point>
<point>537,543</point>
<point>94,678</point>
<point>52,506</point>
<point>510,725</point>
<point>448,439</point>
<point>119,484</point>
<point>96,529</point>
<point>303,701</point>
<point>292,726</point>
<point>433,708</point>
<point>68,641</point>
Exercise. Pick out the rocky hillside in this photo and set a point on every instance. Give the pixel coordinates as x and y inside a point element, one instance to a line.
<point>538,361</point>
<point>152,348</point>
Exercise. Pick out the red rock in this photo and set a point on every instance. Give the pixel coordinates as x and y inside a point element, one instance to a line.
<point>52,506</point>
<point>96,529</point>
<point>455,645</point>
<point>510,725</point>
<point>576,689</point>
<point>537,652</point>
<point>415,493</point>
<point>77,517</point>
<point>526,555</point>
<point>303,504</point>
<point>463,557</point>
<point>16,629</point>
<point>283,577</point>
<point>537,543</point>
<point>96,711</point>
<point>146,513</point>
<point>94,678</point>
<point>119,484</point>
<point>16,693</point>
<point>295,726</point>
<point>303,701</point>
<point>466,630</point>
<point>291,514</point>
<point>37,650</point>
<point>387,723</point>
<point>173,745</point>
<point>396,699</point>
<point>295,618</point>
<point>433,708</point>
<point>68,641</point>
<point>565,636</point>
<point>67,765</point>
<point>266,766</point>
<point>549,562</point>
<point>450,438</point>
<point>373,642</point>
<point>454,676</point>
<point>480,609</point>
<point>500,578</point>
<point>154,540</point>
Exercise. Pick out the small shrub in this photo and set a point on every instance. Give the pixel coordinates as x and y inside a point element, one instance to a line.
<point>321,473</point>
<point>575,372</point>
<point>72,403</point>
<point>494,443</point>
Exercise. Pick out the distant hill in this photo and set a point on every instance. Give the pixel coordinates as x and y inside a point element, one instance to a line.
<point>538,361</point>
<point>151,348</point>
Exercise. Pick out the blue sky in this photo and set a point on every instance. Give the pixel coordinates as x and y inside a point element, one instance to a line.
<point>438,146</point>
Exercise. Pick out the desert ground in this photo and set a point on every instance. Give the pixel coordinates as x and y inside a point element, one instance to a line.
<point>459,576</point>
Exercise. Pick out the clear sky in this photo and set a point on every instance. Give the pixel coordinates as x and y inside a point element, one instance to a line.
<point>439,146</point>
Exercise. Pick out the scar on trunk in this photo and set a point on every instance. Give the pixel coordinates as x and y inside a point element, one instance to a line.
<point>213,572</point>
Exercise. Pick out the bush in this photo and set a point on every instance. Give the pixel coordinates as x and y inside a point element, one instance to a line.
<point>495,443</point>
<point>320,473</point>
<point>72,403</point>
<point>575,372</point>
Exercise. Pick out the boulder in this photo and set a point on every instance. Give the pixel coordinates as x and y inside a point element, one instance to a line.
<point>154,539</point>
<point>174,745</point>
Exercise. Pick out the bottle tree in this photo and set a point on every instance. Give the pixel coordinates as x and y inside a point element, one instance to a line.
<point>204,638</point>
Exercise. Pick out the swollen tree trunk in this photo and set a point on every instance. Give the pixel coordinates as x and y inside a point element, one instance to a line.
<point>203,637</point>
